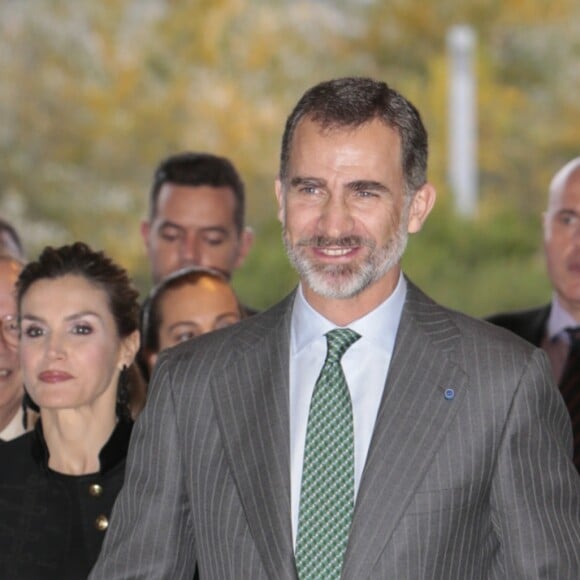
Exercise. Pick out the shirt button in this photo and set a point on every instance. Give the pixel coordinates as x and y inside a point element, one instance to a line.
<point>95,490</point>
<point>101,523</point>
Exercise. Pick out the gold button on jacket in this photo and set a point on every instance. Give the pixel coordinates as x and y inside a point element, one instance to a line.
<point>95,490</point>
<point>101,523</point>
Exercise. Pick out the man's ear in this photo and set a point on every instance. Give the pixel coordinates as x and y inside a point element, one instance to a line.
<point>421,206</point>
<point>280,198</point>
<point>246,242</point>
<point>546,225</point>
<point>145,230</point>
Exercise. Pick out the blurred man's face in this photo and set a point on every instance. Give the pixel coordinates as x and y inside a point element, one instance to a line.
<point>11,389</point>
<point>562,243</point>
<point>194,226</point>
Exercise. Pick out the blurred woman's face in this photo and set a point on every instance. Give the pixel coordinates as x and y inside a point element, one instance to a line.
<point>195,309</point>
<point>70,350</point>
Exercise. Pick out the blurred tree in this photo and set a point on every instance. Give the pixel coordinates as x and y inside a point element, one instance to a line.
<point>95,93</point>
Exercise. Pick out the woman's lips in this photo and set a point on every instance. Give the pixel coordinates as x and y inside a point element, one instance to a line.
<point>54,376</point>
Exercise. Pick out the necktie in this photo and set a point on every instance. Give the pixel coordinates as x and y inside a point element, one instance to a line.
<point>570,388</point>
<point>327,494</point>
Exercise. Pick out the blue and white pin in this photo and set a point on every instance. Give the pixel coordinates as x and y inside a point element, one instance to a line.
<point>449,394</point>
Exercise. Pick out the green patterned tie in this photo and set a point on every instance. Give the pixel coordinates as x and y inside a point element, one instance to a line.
<point>327,494</point>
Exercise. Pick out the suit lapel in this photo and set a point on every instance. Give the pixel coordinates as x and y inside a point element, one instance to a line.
<point>413,418</point>
<point>537,325</point>
<point>251,401</point>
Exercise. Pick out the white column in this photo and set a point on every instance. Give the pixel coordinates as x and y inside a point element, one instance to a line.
<point>462,115</point>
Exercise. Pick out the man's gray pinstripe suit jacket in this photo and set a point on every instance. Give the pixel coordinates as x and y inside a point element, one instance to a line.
<point>477,485</point>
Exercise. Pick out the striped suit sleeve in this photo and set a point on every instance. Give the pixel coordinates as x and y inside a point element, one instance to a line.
<point>151,533</point>
<point>535,496</point>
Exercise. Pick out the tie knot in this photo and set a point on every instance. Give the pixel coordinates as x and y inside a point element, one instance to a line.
<point>339,340</point>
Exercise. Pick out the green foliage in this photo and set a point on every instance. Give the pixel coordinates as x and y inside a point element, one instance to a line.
<point>479,267</point>
<point>267,275</point>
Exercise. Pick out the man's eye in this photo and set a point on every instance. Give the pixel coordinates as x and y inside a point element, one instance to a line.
<point>82,329</point>
<point>170,235</point>
<point>214,241</point>
<point>567,219</point>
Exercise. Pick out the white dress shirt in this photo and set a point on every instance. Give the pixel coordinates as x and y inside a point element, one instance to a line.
<point>15,428</point>
<point>365,365</point>
<point>556,342</point>
<point>558,320</point>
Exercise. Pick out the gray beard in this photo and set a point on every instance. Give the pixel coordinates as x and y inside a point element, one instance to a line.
<point>344,281</point>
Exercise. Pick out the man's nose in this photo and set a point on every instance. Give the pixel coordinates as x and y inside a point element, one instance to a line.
<point>5,345</point>
<point>190,249</point>
<point>336,219</point>
<point>9,333</point>
<point>573,234</point>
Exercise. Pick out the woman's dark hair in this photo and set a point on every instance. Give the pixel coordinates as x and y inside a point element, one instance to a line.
<point>79,259</point>
<point>151,308</point>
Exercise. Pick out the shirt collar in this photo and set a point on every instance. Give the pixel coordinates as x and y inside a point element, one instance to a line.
<point>15,427</point>
<point>559,319</point>
<point>380,325</point>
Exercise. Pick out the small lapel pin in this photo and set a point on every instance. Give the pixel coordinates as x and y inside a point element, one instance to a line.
<point>449,394</point>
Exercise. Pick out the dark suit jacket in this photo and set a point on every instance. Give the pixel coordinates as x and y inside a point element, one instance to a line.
<point>529,324</point>
<point>478,484</point>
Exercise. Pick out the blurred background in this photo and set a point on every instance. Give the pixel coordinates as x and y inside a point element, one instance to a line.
<point>94,94</point>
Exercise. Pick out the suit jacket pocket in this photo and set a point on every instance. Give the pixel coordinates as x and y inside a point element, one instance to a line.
<point>440,500</point>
